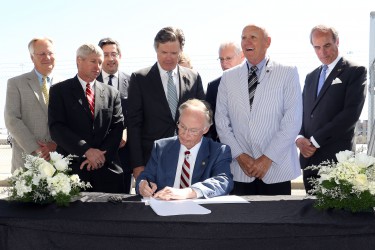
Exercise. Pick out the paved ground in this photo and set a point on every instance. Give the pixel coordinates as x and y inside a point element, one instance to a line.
<point>5,159</point>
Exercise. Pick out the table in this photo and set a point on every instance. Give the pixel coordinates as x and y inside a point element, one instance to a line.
<point>279,223</point>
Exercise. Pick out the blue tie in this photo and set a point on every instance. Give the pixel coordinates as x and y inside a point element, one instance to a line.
<point>322,78</point>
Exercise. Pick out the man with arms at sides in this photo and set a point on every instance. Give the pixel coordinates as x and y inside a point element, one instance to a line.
<point>331,110</point>
<point>112,76</point>
<point>26,105</point>
<point>259,114</point>
<point>230,55</point>
<point>154,95</point>
<point>188,165</point>
<point>85,119</point>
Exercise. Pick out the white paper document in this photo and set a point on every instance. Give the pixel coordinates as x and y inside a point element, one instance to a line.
<point>221,200</point>
<point>181,207</point>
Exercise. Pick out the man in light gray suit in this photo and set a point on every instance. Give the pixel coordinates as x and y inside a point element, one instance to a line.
<point>26,105</point>
<point>259,115</point>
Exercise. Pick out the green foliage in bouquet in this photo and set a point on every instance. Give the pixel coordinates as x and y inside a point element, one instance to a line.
<point>44,182</point>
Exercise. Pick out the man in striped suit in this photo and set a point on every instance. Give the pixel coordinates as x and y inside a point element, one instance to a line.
<point>260,128</point>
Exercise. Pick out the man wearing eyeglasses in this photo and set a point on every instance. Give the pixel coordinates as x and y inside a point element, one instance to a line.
<point>155,93</point>
<point>230,55</point>
<point>26,105</point>
<point>112,76</point>
<point>188,165</point>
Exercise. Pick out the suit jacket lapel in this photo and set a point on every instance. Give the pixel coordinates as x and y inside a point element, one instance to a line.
<point>157,87</point>
<point>99,97</point>
<point>337,70</point>
<point>123,85</point>
<point>80,96</point>
<point>172,161</point>
<point>34,84</point>
<point>184,83</point>
<point>201,160</point>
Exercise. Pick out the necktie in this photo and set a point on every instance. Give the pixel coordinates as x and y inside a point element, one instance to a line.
<point>322,78</point>
<point>185,171</point>
<point>172,95</point>
<point>252,83</point>
<point>110,80</point>
<point>45,89</point>
<point>91,99</point>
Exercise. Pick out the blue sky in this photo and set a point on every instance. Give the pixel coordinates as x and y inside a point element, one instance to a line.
<point>205,24</point>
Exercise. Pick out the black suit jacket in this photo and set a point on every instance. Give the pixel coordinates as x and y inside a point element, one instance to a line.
<point>331,117</point>
<point>73,129</point>
<point>123,85</point>
<point>211,95</point>
<point>149,116</point>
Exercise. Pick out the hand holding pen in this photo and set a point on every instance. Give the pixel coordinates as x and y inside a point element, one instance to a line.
<point>147,188</point>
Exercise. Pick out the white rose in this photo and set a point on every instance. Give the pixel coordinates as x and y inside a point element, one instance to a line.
<point>343,156</point>
<point>46,169</point>
<point>61,165</point>
<point>363,160</point>
<point>74,179</point>
<point>55,157</point>
<point>360,182</point>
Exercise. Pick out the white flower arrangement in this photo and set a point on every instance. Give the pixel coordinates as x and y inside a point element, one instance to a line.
<point>346,184</point>
<point>42,181</point>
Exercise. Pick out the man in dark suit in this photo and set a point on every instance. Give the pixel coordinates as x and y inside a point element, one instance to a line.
<point>190,165</point>
<point>330,111</point>
<point>119,80</point>
<point>230,55</point>
<point>85,119</point>
<point>154,95</point>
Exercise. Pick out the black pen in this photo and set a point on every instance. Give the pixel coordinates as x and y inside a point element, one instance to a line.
<point>149,184</point>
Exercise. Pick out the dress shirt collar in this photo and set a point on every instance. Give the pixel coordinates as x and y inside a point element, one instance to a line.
<point>193,151</point>
<point>83,84</point>
<point>40,78</point>
<point>332,65</point>
<point>164,73</point>
<point>106,76</point>
<point>260,65</point>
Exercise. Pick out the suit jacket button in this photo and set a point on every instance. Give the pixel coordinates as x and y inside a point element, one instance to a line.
<point>312,116</point>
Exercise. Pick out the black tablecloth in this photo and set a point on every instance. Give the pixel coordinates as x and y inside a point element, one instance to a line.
<point>277,224</point>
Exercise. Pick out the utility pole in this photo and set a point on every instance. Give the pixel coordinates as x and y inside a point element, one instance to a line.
<point>371,88</point>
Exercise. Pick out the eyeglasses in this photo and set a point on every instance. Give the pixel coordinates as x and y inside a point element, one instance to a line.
<point>112,54</point>
<point>226,59</point>
<point>191,131</point>
<point>44,54</point>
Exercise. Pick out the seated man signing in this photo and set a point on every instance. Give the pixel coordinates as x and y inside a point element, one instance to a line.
<point>188,165</point>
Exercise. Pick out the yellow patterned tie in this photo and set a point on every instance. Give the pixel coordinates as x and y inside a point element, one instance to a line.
<point>45,89</point>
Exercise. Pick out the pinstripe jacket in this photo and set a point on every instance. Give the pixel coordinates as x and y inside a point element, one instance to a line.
<point>272,125</point>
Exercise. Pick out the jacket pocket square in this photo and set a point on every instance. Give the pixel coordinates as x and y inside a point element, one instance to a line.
<point>336,81</point>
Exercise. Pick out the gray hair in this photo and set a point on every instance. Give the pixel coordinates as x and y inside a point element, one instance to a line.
<point>36,39</point>
<point>325,29</point>
<point>169,34</point>
<point>198,105</point>
<point>236,46</point>
<point>87,49</point>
